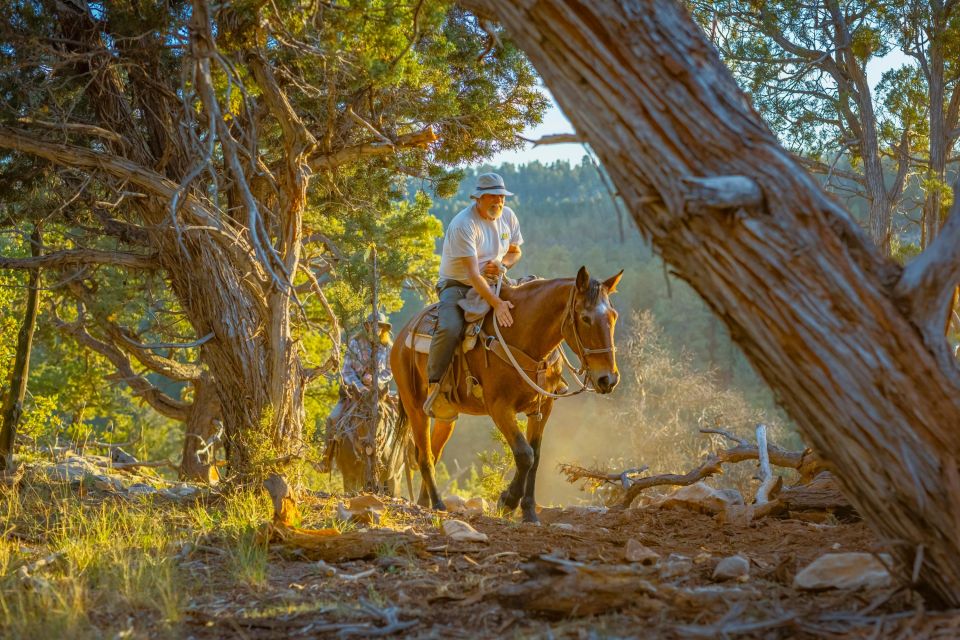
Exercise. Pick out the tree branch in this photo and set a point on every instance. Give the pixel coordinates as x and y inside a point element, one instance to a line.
<point>556,138</point>
<point>806,462</point>
<point>903,166</point>
<point>85,129</point>
<point>926,286</point>
<point>299,139</point>
<point>79,158</point>
<point>140,386</point>
<point>823,168</point>
<point>77,257</point>
<point>330,161</point>
<point>164,366</point>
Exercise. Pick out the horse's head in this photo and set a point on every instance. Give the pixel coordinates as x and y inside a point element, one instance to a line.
<point>588,328</point>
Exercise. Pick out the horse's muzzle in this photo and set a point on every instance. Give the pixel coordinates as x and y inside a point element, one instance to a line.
<point>606,383</point>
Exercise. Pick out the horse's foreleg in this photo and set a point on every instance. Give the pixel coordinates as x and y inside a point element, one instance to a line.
<point>442,430</point>
<point>420,428</point>
<point>506,422</point>
<point>439,436</point>
<point>535,427</point>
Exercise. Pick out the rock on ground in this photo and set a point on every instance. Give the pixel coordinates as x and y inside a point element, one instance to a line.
<point>844,571</point>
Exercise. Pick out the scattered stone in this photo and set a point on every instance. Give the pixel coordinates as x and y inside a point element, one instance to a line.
<point>181,492</point>
<point>141,489</point>
<point>732,568</point>
<point>73,469</point>
<point>455,504</point>
<point>702,558</point>
<point>844,571</point>
<point>476,506</point>
<point>675,566</point>
<point>702,498</point>
<point>119,456</point>
<point>106,483</point>
<point>635,551</point>
<point>460,530</point>
<point>563,526</point>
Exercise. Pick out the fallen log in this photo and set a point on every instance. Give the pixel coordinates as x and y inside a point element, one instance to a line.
<point>329,545</point>
<point>822,494</point>
<point>563,587</point>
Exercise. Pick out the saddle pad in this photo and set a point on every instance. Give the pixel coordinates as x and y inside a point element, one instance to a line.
<point>425,325</point>
<point>422,329</point>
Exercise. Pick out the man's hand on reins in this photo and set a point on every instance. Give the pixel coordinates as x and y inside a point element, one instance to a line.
<point>502,310</point>
<point>493,268</point>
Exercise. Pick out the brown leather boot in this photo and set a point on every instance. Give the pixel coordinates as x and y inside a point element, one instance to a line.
<point>438,405</point>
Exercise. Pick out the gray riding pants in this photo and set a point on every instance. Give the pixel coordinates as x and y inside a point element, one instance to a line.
<point>449,332</point>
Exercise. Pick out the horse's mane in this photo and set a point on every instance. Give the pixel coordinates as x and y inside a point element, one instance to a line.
<point>592,296</point>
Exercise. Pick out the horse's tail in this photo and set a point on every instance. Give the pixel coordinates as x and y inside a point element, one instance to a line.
<point>398,436</point>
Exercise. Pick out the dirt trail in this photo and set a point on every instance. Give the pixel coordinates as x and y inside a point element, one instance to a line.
<point>447,589</point>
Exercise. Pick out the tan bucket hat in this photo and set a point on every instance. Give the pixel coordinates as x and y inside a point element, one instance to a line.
<point>489,183</point>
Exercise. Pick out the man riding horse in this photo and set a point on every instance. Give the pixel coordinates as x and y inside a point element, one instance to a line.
<point>480,242</point>
<point>358,372</point>
<point>506,368</point>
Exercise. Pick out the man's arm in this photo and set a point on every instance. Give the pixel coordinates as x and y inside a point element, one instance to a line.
<point>383,365</point>
<point>512,257</point>
<point>500,307</point>
<point>351,365</point>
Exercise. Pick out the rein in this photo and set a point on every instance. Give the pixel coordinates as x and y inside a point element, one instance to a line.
<point>583,351</point>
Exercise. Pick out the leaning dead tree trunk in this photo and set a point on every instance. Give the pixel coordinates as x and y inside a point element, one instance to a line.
<point>13,403</point>
<point>852,346</point>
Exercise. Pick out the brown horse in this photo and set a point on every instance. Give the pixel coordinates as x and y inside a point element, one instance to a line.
<point>547,312</point>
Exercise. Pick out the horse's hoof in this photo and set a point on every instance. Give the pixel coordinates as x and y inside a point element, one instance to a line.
<point>506,504</point>
<point>533,520</point>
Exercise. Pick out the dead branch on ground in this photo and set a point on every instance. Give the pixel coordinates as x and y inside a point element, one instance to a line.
<point>806,462</point>
<point>598,478</point>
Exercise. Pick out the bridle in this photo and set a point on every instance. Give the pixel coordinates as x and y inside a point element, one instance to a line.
<point>580,374</point>
<point>579,349</point>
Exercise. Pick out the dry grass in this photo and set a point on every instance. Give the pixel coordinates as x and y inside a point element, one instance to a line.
<point>115,567</point>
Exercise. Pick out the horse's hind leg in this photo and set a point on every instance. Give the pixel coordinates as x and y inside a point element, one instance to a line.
<point>535,427</point>
<point>523,456</point>
<point>420,428</point>
<point>439,436</point>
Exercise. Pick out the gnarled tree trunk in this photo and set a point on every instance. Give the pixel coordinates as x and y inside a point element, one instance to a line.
<point>852,347</point>
<point>202,428</point>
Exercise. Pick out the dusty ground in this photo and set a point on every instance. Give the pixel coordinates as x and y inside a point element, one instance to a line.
<point>443,589</point>
<point>567,578</point>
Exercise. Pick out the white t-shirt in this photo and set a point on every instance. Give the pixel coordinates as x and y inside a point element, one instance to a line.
<point>469,234</point>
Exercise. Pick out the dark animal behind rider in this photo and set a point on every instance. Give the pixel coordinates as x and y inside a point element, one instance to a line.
<point>480,242</point>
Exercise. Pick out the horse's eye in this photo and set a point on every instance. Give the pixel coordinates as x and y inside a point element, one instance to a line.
<point>585,319</point>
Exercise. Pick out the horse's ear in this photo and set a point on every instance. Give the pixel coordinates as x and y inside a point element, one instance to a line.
<point>610,284</point>
<point>583,280</point>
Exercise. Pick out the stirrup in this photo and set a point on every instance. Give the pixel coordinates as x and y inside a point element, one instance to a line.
<point>439,407</point>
